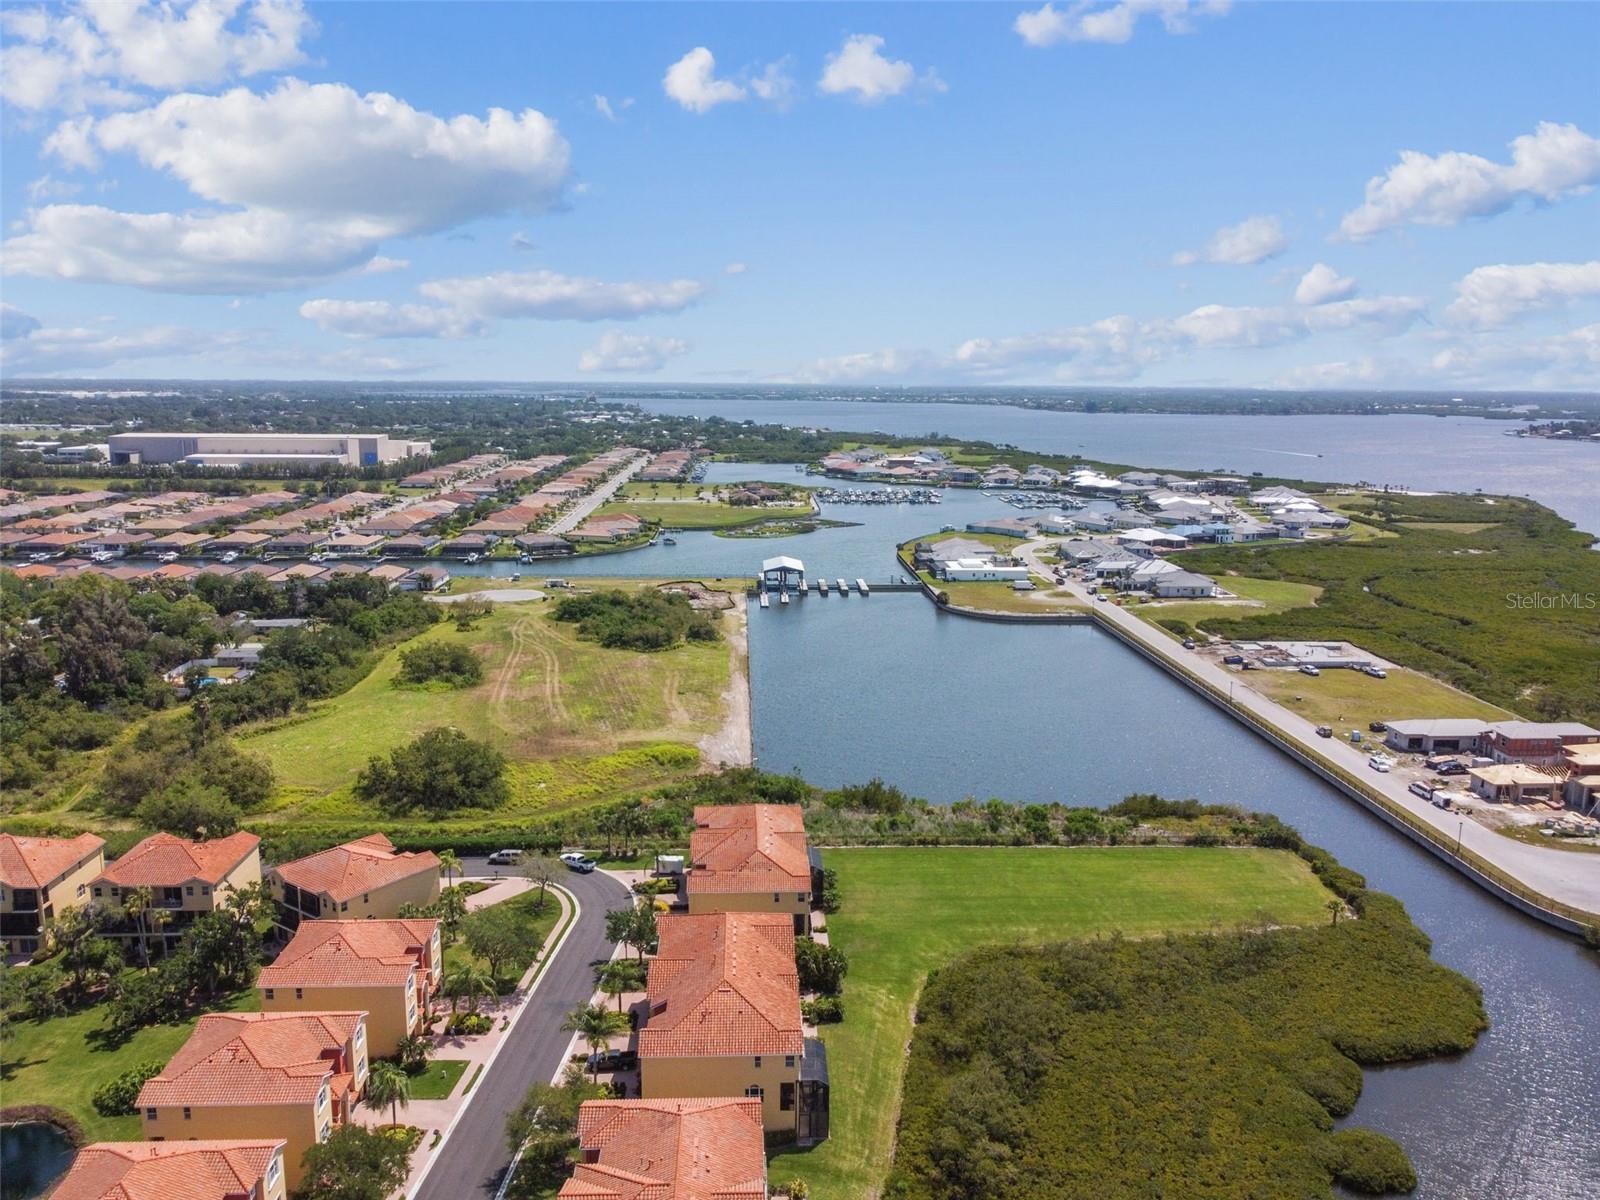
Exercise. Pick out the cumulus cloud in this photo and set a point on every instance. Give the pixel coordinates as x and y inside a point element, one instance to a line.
<point>14,323</point>
<point>45,351</point>
<point>1561,360</point>
<point>735,268</point>
<point>1421,189</point>
<point>381,319</point>
<point>860,69</point>
<point>382,265</point>
<point>1251,241</point>
<point>1321,284</point>
<point>631,352</point>
<point>867,367</point>
<point>775,84</point>
<point>92,52</point>
<point>1358,372</point>
<point>1492,296</point>
<point>1096,21</point>
<point>295,212</point>
<point>550,296</point>
<point>692,82</point>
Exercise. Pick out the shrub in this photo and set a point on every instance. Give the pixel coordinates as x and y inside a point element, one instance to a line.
<point>441,662</point>
<point>469,1023</point>
<point>440,771</point>
<point>642,620</point>
<point>1370,1163</point>
<point>821,968</point>
<point>117,1095</point>
<point>824,1010</point>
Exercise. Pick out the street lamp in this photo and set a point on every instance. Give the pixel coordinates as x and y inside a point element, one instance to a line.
<point>1460,825</point>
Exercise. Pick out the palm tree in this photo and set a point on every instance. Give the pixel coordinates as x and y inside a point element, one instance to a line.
<point>449,863</point>
<point>595,1024</point>
<point>618,976</point>
<point>467,981</point>
<point>136,902</point>
<point>413,1052</point>
<point>388,1084</point>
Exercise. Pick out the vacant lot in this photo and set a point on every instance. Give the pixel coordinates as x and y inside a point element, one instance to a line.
<point>701,514</point>
<point>909,911</point>
<point>1255,597</point>
<point>1351,699</point>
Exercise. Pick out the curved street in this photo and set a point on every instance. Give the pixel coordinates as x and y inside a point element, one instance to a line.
<point>474,1156</point>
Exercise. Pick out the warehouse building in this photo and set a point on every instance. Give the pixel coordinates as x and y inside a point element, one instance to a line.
<point>262,449</point>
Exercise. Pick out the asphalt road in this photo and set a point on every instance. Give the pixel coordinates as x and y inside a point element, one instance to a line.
<point>475,1156</point>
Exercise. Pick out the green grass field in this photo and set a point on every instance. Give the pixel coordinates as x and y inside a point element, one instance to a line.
<point>908,911</point>
<point>547,699</point>
<point>438,1079</point>
<point>524,904</point>
<point>61,1061</point>
<point>700,514</point>
<point>1351,699</point>
<point>1256,597</point>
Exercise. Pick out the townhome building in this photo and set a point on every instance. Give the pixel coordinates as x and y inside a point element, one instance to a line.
<point>753,858</point>
<point>185,879</point>
<point>669,1150</point>
<point>190,1170</point>
<point>364,878</point>
<point>40,878</point>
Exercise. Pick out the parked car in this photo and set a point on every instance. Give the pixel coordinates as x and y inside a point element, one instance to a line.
<point>1325,731</point>
<point>614,1060</point>
<point>578,862</point>
<point>1452,768</point>
<point>1377,727</point>
<point>1421,789</point>
<point>1308,669</point>
<point>1377,672</point>
<point>1188,643</point>
<point>1381,765</point>
<point>505,858</point>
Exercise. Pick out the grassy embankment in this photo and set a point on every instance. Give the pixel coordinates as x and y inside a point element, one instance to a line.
<point>690,513</point>
<point>1491,612</point>
<point>999,596</point>
<point>579,722</point>
<point>910,911</point>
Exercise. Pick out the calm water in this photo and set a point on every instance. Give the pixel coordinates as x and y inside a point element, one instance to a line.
<point>848,688</point>
<point>1429,453</point>
<point>31,1156</point>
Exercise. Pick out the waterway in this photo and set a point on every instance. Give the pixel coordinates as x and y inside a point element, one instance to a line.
<point>32,1155</point>
<point>1457,454</point>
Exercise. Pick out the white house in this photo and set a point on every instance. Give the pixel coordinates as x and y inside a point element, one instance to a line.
<point>978,570</point>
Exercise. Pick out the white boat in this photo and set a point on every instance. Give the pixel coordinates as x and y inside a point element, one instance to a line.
<point>669,541</point>
<point>474,557</point>
<point>230,556</point>
<point>783,597</point>
<point>169,556</point>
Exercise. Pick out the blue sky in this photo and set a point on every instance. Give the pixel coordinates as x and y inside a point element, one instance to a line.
<point>1130,192</point>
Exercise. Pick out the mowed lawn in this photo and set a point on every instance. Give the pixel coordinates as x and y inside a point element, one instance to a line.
<point>1256,597</point>
<point>546,695</point>
<point>907,911</point>
<point>702,514</point>
<point>1350,698</point>
<point>60,1062</point>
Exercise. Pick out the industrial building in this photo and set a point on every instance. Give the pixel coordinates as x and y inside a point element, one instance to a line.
<point>262,449</point>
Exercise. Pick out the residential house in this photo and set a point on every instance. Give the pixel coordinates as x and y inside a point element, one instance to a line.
<point>1514,783</point>
<point>1535,741</point>
<point>1015,527</point>
<point>1183,585</point>
<point>388,969</point>
<point>290,1077</point>
<point>230,1169</point>
<point>364,878</point>
<point>980,570</point>
<point>753,858</point>
<point>411,545</point>
<point>543,545</point>
<point>40,878</point>
<point>615,528</point>
<point>669,1150</point>
<point>1582,767</point>
<point>723,1018</point>
<point>186,879</point>
<point>1447,735</point>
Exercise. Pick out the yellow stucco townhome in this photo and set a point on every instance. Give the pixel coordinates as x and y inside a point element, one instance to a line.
<point>283,1076</point>
<point>752,858</point>
<point>388,969</point>
<point>40,878</point>
<point>364,878</point>
<point>186,879</point>
<point>213,1170</point>
<point>723,1019</point>
<point>672,1149</point>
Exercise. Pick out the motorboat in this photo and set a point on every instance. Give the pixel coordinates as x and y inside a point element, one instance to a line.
<point>231,556</point>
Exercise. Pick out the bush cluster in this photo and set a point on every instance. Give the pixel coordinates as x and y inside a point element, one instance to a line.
<point>647,619</point>
<point>441,662</point>
<point>116,1096</point>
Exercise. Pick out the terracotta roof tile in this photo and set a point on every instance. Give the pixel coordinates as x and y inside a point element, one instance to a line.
<point>198,1170</point>
<point>724,984</point>
<point>749,848</point>
<point>29,862</point>
<point>252,1058</point>
<point>351,954</point>
<point>670,1150</point>
<point>343,872</point>
<point>162,860</point>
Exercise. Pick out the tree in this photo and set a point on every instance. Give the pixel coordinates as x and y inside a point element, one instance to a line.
<point>449,863</point>
<point>440,662</point>
<point>98,639</point>
<point>413,1052</point>
<point>139,905</point>
<point>190,808</point>
<point>451,909</point>
<point>355,1163</point>
<point>500,936</point>
<point>544,1124</point>
<point>619,976</point>
<point>543,871</point>
<point>596,1025</point>
<point>441,771</point>
<point>469,982</point>
<point>821,968</point>
<point>642,934</point>
<point>86,956</point>
<point>388,1085</point>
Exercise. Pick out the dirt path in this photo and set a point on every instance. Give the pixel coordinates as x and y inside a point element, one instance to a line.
<point>733,743</point>
<point>525,642</point>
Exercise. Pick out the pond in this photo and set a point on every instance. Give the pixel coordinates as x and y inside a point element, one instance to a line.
<point>32,1155</point>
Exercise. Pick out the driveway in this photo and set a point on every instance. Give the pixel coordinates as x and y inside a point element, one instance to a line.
<point>475,1156</point>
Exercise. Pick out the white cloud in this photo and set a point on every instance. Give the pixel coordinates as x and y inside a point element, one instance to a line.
<point>1497,295</point>
<point>1321,284</point>
<point>859,67</point>
<point>381,319</point>
<point>631,352</point>
<point>735,268</point>
<point>1551,162</point>
<point>1251,241</point>
<point>44,351</point>
<point>1095,21</point>
<point>298,212</point>
<point>610,111</point>
<point>867,367</point>
<point>1565,360</point>
<point>382,265</point>
<point>553,297</point>
<point>91,52</point>
<point>775,84</point>
<point>1360,372</point>
<point>692,82</point>
<point>15,323</point>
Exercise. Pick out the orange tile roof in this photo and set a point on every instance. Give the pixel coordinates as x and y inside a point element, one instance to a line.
<point>670,1150</point>
<point>749,848</point>
<point>724,984</point>
<point>197,1170</point>
<point>252,1059</point>
<point>162,860</point>
<point>342,872</point>
<point>29,862</point>
<point>351,954</point>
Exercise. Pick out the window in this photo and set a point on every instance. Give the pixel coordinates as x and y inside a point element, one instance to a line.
<point>81,890</point>
<point>186,1112</point>
<point>786,1097</point>
<point>366,897</point>
<point>775,897</point>
<point>149,1114</point>
<point>188,889</point>
<point>755,1092</point>
<point>299,993</point>
<point>271,993</point>
<point>345,907</point>
<point>98,892</point>
<point>758,1062</point>
<point>788,1061</point>
<point>273,1167</point>
<point>205,890</point>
